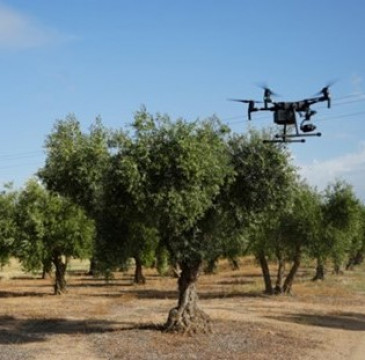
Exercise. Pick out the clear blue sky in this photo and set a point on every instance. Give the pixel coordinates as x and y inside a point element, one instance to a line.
<point>184,58</point>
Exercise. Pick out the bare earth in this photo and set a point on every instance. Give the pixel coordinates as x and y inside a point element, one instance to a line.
<point>117,320</point>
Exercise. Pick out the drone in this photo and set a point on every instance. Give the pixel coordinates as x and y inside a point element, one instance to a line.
<point>285,114</point>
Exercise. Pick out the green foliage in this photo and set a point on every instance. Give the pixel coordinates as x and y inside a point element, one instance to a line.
<point>7,223</point>
<point>162,260</point>
<point>191,189</point>
<point>264,175</point>
<point>341,210</point>
<point>76,162</point>
<point>356,251</point>
<point>262,190</point>
<point>182,168</point>
<point>301,223</point>
<point>49,226</point>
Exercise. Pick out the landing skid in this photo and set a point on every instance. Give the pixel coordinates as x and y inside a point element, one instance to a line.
<point>290,138</point>
<point>284,141</point>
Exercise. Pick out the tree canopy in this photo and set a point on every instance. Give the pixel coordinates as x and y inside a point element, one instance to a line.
<point>50,228</point>
<point>7,223</point>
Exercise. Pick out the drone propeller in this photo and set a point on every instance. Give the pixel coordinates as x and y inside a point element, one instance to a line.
<point>246,101</point>
<point>251,105</point>
<point>325,89</point>
<point>325,92</point>
<point>267,94</point>
<point>267,90</point>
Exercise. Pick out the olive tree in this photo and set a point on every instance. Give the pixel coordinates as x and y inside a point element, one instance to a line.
<point>177,174</point>
<point>76,161</point>
<point>7,223</point>
<point>126,226</point>
<point>50,229</point>
<point>299,227</point>
<point>340,210</point>
<point>262,188</point>
<point>356,251</point>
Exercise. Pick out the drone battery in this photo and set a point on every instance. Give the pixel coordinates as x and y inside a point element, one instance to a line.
<point>284,117</point>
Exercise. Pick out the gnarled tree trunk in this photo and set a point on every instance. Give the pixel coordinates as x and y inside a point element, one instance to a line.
<point>60,279</point>
<point>280,276</point>
<point>354,260</point>
<point>319,275</point>
<point>211,266</point>
<point>92,267</point>
<point>294,269</point>
<point>138,274</point>
<point>235,263</point>
<point>47,268</point>
<point>265,272</point>
<point>187,317</point>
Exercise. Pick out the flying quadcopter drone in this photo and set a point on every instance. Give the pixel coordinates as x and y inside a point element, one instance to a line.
<point>285,114</point>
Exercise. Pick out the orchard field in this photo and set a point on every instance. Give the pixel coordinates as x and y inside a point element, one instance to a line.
<point>115,319</point>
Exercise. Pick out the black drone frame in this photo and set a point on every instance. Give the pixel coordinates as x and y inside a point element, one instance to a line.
<point>285,115</point>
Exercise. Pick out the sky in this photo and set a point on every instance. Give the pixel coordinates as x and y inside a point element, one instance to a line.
<point>108,58</point>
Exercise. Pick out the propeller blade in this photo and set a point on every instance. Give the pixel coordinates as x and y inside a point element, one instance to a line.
<point>246,101</point>
<point>268,91</point>
<point>325,89</point>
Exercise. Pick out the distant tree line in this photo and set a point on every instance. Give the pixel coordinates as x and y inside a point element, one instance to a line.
<point>180,195</point>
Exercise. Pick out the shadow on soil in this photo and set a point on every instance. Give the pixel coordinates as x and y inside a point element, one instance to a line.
<point>14,294</point>
<point>344,321</point>
<point>236,282</point>
<point>21,331</point>
<point>173,295</point>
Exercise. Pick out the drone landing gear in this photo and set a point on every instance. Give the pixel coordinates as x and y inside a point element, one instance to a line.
<point>285,136</point>
<point>290,138</point>
<point>283,140</point>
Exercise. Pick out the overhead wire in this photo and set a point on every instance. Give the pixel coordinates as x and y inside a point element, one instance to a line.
<point>22,155</point>
<point>229,120</point>
<point>11,160</point>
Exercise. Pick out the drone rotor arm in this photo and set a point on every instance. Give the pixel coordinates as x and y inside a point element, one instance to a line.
<point>251,105</point>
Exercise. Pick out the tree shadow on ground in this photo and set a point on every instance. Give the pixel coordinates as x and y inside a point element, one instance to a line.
<point>208,295</point>
<point>15,294</point>
<point>22,331</point>
<point>344,321</point>
<point>236,281</point>
<point>99,285</point>
<point>246,275</point>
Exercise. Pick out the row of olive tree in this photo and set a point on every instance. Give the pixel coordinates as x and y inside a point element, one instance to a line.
<point>195,192</point>
<point>321,226</point>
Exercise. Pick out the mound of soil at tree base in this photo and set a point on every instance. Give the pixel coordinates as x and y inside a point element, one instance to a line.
<point>228,340</point>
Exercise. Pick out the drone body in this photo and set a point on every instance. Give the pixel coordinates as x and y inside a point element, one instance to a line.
<point>285,114</point>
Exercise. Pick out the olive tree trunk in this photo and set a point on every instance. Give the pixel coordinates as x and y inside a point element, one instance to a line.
<point>139,278</point>
<point>186,316</point>
<point>280,276</point>
<point>320,272</point>
<point>47,269</point>
<point>288,283</point>
<point>265,272</point>
<point>354,260</point>
<point>211,266</point>
<point>60,279</point>
<point>235,263</point>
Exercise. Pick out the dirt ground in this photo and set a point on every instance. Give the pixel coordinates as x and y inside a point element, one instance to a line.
<point>118,320</point>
